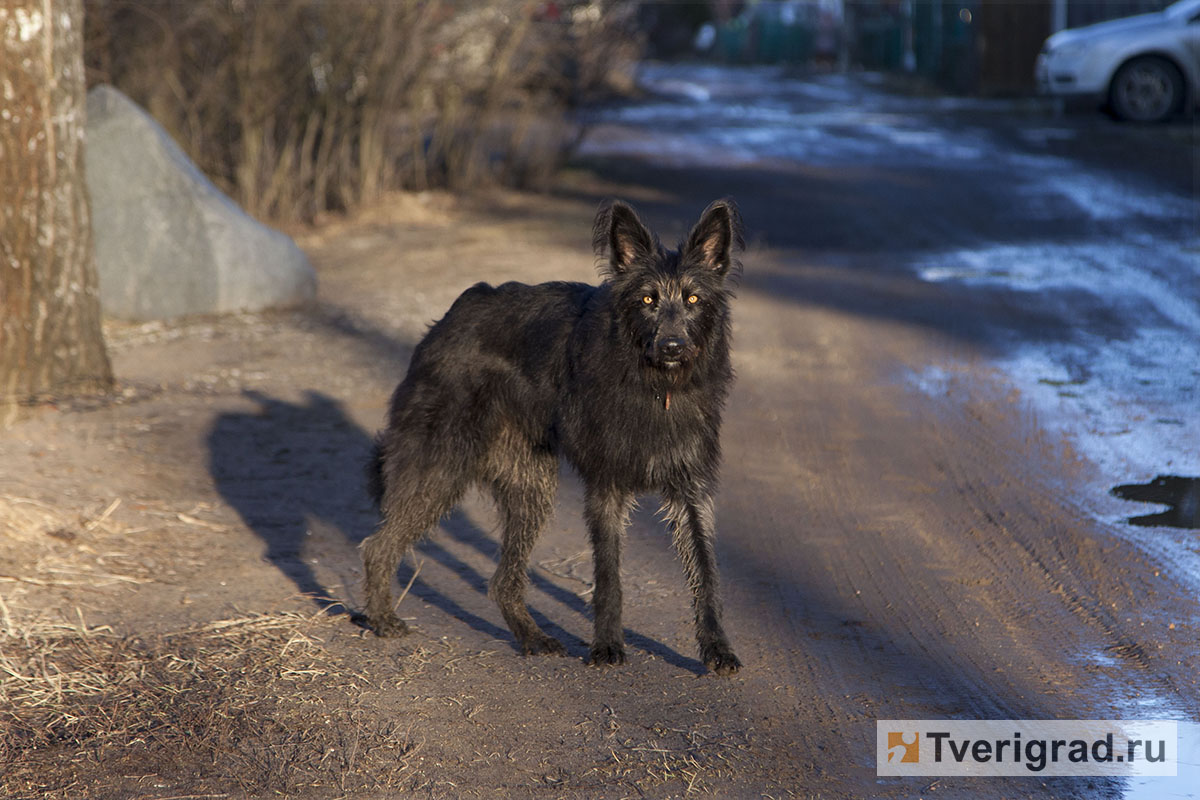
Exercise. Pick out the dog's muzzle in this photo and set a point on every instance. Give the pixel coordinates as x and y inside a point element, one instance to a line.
<point>672,351</point>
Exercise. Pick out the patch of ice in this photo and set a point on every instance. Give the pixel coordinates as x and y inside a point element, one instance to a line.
<point>1127,395</point>
<point>1103,198</point>
<point>1186,783</point>
<point>1129,407</point>
<point>692,91</point>
<point>674,149</point>
<point>1163,275</point>
<point>1064,188</point>
<point>931,143</point>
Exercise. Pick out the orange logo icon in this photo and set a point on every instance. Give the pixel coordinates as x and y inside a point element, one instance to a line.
<point>903,748</point>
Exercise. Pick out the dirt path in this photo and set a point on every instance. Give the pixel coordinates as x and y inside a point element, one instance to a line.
<point>886,553</point>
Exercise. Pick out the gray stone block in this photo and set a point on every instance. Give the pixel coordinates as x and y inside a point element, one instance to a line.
<point>168,242</point>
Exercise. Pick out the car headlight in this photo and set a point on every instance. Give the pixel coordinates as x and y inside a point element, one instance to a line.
<point>1069,50</point>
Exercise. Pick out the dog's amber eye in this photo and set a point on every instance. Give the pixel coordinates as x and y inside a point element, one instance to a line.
<point>693,299</point>
<point>647,299</point>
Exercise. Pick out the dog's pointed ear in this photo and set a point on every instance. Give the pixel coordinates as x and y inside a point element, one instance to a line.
<point>716,236</point>
<point>619,234</point>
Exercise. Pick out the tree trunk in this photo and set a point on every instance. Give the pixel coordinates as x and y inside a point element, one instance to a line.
<point>50,339</point>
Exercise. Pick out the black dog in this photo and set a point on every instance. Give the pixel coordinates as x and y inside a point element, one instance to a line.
<point>626,380</point>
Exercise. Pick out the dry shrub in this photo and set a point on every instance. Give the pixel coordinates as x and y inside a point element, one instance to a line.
<point>297,107</point>
<point>241,705</point>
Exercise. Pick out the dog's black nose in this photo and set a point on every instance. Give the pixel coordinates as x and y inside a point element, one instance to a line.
<point>671,348</point>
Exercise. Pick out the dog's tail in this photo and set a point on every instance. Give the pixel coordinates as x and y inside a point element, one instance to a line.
<point>374,469</point>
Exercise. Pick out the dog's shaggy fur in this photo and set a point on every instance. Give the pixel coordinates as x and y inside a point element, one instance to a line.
<point>626,380</point>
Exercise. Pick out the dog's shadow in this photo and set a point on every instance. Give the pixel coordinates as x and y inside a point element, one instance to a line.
<point>294,472</point>
<point>461,528</point>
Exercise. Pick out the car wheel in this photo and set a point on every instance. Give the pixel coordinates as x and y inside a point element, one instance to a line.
<point>1146,89</point>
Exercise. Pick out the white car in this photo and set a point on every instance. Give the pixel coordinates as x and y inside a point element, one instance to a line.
<point>1146,67</point>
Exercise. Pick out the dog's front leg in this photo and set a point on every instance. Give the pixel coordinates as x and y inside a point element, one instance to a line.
<point>607,514</point>
<point>693,526</point>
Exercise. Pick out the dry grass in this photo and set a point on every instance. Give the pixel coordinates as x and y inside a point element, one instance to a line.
<point>44,545</point>
<point>694,762</point>
<point>254,705</point>
<point>247,706</point>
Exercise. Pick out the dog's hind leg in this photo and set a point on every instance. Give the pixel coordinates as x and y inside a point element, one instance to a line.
<point>607,514</point>
<point>693,524</point>
<point>411,507</point>
<point>524,490</point>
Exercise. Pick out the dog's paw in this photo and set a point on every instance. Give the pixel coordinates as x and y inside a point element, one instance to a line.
<point>389,627</point>
<point>543,645</point>
<point>721,660</point>
<point>603,655</point>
